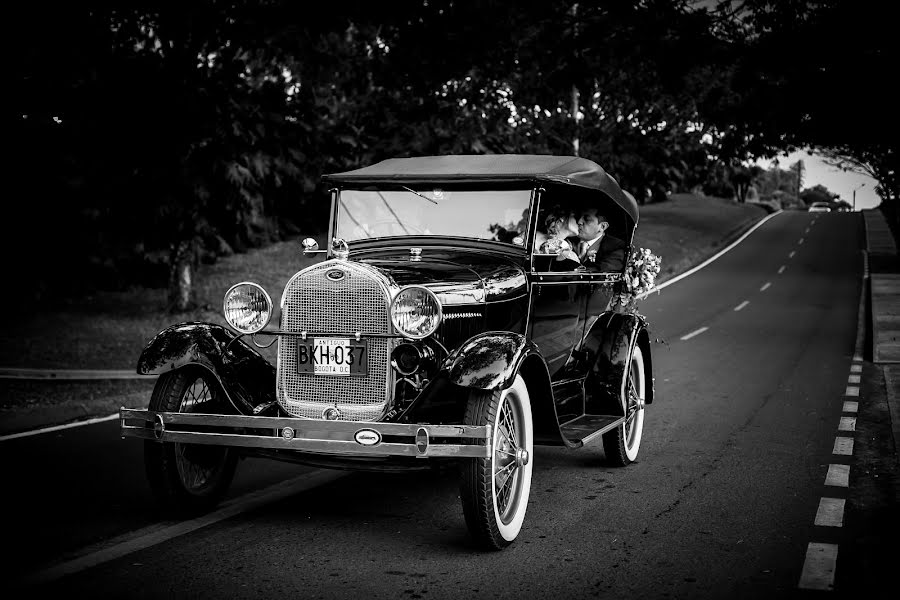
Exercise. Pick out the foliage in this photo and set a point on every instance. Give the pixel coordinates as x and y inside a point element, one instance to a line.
<point>155,136</point>
<point>818,193</point>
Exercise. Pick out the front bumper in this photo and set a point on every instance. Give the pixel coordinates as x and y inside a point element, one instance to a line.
<point>340,438</point>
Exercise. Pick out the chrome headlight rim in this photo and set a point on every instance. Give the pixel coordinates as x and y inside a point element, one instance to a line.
<point>434,298</point>
<point>269,308</point>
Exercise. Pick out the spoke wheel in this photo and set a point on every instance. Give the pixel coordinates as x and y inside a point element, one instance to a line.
<point>621,445</point>
<point>495,491</point>
<point>187,478</point>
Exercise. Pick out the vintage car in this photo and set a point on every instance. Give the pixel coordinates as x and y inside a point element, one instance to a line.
<point>440,326</point>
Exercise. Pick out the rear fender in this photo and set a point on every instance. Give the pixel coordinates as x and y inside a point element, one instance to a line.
<point>247,378</point>
<point>608,347</point>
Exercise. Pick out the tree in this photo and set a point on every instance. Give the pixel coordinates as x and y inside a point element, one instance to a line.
<point>818,193</point>
<point>170,128</point>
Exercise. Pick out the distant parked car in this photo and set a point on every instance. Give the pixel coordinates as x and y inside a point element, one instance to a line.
<point>819,207</point>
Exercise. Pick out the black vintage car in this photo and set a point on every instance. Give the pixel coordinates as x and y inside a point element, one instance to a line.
<point>445,323</point>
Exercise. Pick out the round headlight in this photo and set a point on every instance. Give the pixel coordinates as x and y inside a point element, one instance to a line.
<point>416,312</point>
<point>248,307</point>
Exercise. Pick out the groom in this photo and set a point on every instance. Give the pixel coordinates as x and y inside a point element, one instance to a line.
<point>593,248</point>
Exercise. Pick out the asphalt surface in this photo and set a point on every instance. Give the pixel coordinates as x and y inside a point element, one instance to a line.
<point>721,503</point>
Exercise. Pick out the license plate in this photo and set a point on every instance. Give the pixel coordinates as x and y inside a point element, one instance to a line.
<point>332,356</point>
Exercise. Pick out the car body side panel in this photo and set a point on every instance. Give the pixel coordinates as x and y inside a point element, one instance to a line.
<point>247,378</point>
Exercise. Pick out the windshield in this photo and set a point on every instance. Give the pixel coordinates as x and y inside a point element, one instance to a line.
<point>499,215</point>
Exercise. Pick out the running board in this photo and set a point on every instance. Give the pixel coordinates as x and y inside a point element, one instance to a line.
<point>586,428</point>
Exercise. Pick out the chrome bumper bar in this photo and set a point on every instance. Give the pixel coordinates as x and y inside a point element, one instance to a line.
<point>342,438</point>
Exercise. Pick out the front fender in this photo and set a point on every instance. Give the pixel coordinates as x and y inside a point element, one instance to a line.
<point>488,361</point>
<point>608,347</point>
<point>247,378</point>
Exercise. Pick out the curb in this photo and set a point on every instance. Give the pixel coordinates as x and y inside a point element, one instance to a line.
<point>892,383</point>
<point>880,244</point>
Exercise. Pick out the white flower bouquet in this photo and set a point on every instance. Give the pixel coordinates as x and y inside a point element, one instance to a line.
<point>640,279</point>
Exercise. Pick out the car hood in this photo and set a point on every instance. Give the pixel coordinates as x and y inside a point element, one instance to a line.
<point>455,276</point>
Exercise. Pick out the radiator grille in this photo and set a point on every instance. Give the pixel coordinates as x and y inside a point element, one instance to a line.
<point>316,303</point>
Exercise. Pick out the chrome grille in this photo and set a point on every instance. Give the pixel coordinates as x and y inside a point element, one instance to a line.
<point>317,304</point>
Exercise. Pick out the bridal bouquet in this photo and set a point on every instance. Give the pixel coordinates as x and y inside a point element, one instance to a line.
<point>640,279</point>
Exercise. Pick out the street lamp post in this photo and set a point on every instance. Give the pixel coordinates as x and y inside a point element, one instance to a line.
<point>854,195</point>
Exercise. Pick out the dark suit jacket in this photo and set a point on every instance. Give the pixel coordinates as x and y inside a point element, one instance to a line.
<point>610,255</point>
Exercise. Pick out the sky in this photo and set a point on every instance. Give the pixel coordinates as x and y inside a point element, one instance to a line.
<point>837,181</point>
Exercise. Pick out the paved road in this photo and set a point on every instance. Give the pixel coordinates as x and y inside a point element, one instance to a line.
<point>751,375</point>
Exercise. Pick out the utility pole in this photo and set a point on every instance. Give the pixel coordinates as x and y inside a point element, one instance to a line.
<point>576,96</point>
<point>854,195</point>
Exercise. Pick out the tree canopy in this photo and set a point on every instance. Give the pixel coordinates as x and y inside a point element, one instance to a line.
<point>157,135</point>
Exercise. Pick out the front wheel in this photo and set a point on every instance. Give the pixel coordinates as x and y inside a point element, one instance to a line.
<point>495,490</point>
<point>188,479</point>
<point>621,445</point>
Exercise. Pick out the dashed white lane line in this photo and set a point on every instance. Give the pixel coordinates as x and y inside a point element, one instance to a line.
<point>152,536</point>
<point>847,424</point>
<point>781,269</point>
<point>791,255</point>
<point>838,476</point>
<point>741,305</point>
<point>843,446</point>
<point>852,390</point>
<point>819,567</point>
<point>856,368</point>
<point>806,230</point>
<point>857,358</point>
<point>853,379</point>
<point>765,286</point>
<point>830,512</point>
<point>693,333</point>
<point>800,243</point>
<point>851,407</point>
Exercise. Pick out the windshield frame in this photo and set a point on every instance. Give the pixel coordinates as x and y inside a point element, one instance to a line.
<point>415,240</point>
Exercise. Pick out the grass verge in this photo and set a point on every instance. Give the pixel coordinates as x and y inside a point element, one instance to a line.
<point>108,330</point>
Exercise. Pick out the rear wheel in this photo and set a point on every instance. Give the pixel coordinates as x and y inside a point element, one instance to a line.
<point>188,478</point>
<point>621,445</point>
<point>495,490</point>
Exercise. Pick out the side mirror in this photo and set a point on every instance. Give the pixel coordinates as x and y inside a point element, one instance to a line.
<point>310,246</point>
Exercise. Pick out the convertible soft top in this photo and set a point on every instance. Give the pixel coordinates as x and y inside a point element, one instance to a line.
<point>568,170</point>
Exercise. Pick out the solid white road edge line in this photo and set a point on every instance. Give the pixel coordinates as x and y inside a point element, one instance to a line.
<point>14,436</point>
<point>819,567</point>
<point>693,334</point>
<point>712,258</point>
<point>153,535</point>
